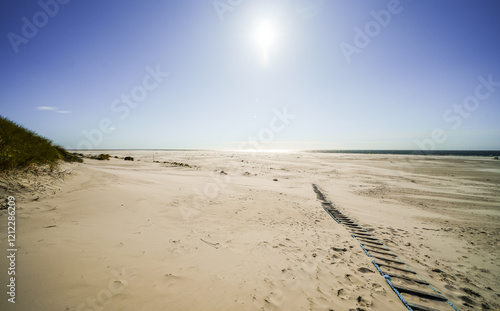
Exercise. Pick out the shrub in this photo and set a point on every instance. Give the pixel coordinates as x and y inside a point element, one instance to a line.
<point>103,157</point>
<point>100,157</point>
<point>69,157</point>
<point>20,147</point>
<point>129,159</point>
<point>178,164</point>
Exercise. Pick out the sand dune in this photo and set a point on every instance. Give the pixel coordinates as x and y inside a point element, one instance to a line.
<point>238,231</point>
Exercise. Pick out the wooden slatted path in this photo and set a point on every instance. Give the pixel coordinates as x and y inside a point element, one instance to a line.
<point>414,292</point>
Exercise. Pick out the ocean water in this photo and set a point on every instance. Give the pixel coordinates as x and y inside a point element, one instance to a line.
<point>476,153</point>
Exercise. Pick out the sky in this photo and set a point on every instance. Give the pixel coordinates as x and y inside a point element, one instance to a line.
<point>254,74</point>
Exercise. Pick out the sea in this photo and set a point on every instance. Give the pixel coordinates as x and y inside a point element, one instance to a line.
<point>472,153</point>
<point>475,153</point>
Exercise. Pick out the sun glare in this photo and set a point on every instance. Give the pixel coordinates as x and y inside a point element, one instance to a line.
<point>265,36</point>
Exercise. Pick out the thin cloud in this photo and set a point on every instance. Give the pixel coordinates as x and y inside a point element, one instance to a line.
<point>46,108</point>
<point>50,108</point>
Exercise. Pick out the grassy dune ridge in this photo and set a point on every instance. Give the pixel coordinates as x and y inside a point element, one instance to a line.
<point>20,147</point>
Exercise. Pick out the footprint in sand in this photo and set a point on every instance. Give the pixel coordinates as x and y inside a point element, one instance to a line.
<point>365,270</point>
<point>467,301</point>
<point>342,294</point>
<point>338,249</point>
<point>364,301</point>
<point>377,288</point>
<point>290,280</point>
<point>275,298</point>
<point>309,267</point>
<point>166,282</point>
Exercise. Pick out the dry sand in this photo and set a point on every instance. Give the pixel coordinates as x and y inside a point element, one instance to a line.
<point>121,235</point>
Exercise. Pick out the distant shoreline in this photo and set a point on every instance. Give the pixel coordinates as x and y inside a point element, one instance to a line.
<point>480,153</point>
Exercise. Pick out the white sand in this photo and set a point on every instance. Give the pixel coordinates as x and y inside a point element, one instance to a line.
<point>120,235</point>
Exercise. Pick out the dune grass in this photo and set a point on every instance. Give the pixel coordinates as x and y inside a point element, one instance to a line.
<point>100,157</point>
<point>20,148</point>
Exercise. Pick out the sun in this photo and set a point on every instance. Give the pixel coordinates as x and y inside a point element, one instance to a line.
<point>265,34</point>
<point>265,37</point>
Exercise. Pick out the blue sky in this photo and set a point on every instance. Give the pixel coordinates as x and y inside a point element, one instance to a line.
<point>287,74</point>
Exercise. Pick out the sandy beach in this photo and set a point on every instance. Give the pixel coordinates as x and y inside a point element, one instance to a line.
<point>245,231</point>
<point>224,155</point>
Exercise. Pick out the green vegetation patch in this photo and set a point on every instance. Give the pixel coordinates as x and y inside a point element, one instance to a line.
<point>101,157</point>
<point>20,147</point>
<point>178,164</point>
